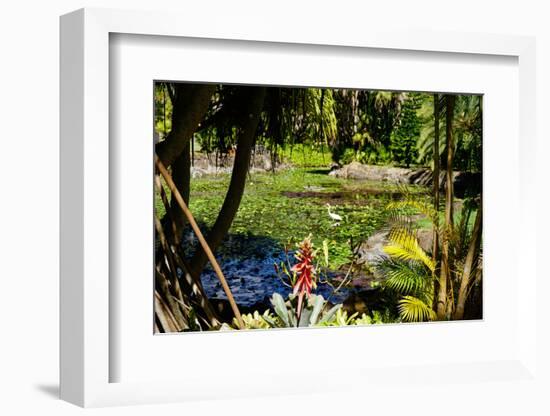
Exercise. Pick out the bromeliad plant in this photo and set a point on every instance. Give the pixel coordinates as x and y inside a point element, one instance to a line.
<point>304,271</point>
<point>316,311</point>
<point>303,307</point>
<point>302,276</point>
<point>307,272</point>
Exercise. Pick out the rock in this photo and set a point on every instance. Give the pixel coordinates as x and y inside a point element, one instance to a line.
<point>425,239</point>
<point>334,166</point>
<point>197,172</point>
<point>356,170</point>
<point>371,251</point>
<point>464,182</point>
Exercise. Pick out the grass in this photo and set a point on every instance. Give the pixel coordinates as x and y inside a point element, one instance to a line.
<point>306,156</point>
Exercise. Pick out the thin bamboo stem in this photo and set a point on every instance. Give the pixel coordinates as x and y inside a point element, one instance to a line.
<point>166,175</point>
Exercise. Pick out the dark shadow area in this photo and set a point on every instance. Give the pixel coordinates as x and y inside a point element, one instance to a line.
<point>322,171</point>
<point>348,196</point>
<point>235,245</point>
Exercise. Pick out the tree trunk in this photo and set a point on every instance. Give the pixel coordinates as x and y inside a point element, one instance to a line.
<point>190,104</point>
<point>435,244</point>
<point>473,252</point>
<point>445,274</point>
<point>181,174</point>
<point>253,103</point>
<point>435,248</point>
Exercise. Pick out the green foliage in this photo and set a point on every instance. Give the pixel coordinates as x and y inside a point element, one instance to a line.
<point>163,110</point>
<point>411,204</point>
<point>305,155</point>
<point>255,320</point>
<point>405,277</point>
<point>348,156</point>
<point>376,318</point>
<point>409,271</point>
<point>316,312</point>
<point>413,309</point>
<point>404,138</point>
<point>404,246</point>
<point>425,142</point>
<point>341,318</point>
<point>467,125</point>
<point>375,127</point>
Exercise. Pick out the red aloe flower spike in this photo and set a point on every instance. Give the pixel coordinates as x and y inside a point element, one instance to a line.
<point>304,270</point>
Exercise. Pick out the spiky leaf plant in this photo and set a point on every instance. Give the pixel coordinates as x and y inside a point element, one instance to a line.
<point>315,311</point>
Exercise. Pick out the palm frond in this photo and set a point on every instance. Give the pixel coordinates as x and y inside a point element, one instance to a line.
<point>425,208</point>
<point>405,278</point>
<point>412,309</point>
<point>404,246</point>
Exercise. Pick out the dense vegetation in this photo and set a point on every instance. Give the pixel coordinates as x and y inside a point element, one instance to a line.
<point>304,134</point>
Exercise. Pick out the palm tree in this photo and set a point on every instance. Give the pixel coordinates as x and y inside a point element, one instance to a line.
<point>410,271</point>
<point>445,272</point>
<point>472,259</point>
<point>436,157</point>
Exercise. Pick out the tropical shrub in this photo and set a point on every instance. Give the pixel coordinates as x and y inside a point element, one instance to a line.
<point>412,272</point>
<point>409,272</point>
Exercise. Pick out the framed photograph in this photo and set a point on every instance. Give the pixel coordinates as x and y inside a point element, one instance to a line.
<point>236,208</point>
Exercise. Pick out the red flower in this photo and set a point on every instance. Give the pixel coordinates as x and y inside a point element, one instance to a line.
<point>305,271</point>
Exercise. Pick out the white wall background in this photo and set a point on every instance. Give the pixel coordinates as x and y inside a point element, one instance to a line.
<point>29,209</point>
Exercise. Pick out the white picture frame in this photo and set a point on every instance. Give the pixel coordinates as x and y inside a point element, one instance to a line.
<point>86,354</point>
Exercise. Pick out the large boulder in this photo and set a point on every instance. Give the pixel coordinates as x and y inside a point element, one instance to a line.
<point>356,170</point>
<point>464,182</point>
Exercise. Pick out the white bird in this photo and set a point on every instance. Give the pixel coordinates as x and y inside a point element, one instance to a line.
<point>334,216</point>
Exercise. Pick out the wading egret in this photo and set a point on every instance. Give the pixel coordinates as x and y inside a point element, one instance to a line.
<point>337,218</point>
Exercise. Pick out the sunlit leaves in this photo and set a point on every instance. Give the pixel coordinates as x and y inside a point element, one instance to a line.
<point>412,309</point>
<point>405,278</point>
<point>404,246</point>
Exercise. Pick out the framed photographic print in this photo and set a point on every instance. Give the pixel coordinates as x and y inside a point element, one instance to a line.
<point>322,207</point>
<point>241,205</point>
